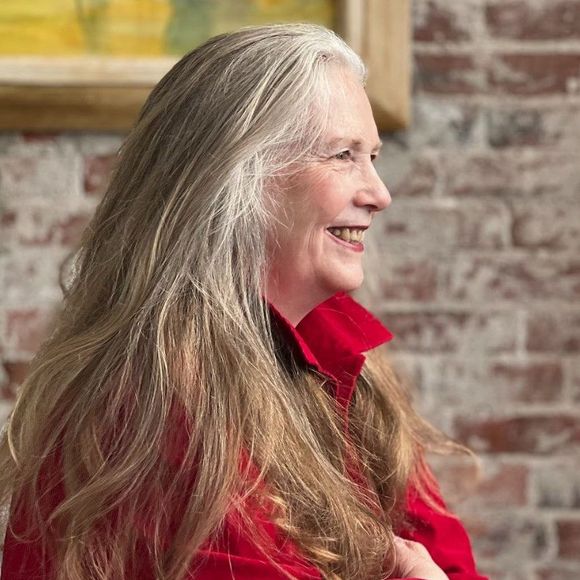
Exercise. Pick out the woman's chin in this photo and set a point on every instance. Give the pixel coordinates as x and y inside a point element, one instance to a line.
<point>345,283</point>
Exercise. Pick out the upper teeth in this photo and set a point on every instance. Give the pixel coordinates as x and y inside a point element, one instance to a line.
<point>347,234</point>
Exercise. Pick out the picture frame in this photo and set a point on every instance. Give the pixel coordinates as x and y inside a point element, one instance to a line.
<point>91,93</point>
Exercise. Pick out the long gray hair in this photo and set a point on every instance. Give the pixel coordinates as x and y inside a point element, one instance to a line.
<point>165,368</point>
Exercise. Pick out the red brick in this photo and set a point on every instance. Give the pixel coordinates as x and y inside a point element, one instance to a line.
<point>409,279</point>
<point>535,74</point>
<point>438,21</point>
<point>554,225</point>
<point>519,127</point>
<point>553,331</point>
<point>69,231</point>
<point>439,332</point>
<point>458,476</point>
<point>36,226</point>
<point>31,137</point>
<point>510,172</point>
<point>15,373</point>
<point>534,434</point>
<point>439,123</point>
<point>572,373</point>
<point>534,125</point>
<point>457,381</point>
<point>448,74</point>
<point>410,178</point>
<point>504,485</point>
<point>500,535</point>
<point>556,484</point>
<point>482,173</point>
<point>32,276</point>
<point>26,328</point>
<point>439,226</point>
<point>97,173</point>
<point>558,571</point>
<point>531,381</point>
<point>568,532</point>
<point>503,571</point>
<point>50,175</point>
<point>496,485</point>
<point>524,20</point>
<point>409,372</point>
<point>516,278</point>
<point>483,224</point>
<point>7,219</point>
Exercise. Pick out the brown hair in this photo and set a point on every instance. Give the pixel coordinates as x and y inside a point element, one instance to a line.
<point>163,324</point>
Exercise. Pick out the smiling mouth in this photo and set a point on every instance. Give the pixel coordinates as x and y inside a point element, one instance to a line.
<point>351,235</point>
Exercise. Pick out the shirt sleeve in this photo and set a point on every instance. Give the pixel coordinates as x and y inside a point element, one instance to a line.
<point>223,566</point>
<point>23,560</point>
<point>239,558</point>
<point>442,534</point>
<point>234,555</point>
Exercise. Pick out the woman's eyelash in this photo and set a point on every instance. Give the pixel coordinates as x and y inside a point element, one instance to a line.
<point>344,155</point>
<point>347,154</point>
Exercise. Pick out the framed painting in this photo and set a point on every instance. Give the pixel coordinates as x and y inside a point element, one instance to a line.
<point>90,64</point>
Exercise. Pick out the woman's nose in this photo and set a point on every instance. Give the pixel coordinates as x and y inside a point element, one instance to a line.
<point>373,191</point>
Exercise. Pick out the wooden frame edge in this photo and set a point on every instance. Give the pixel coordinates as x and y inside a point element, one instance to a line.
<point>92,96</point>
<point>380,32</point>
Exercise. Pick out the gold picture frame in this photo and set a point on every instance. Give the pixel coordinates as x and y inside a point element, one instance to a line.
<point>105,94</point>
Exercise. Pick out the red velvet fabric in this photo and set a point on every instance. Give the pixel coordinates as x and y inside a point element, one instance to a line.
<point>332,339</point>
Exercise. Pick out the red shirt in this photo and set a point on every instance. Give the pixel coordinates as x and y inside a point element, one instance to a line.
<point>331,339</point>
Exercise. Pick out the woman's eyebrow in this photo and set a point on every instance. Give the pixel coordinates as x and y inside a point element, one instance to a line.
<point>354,143</point>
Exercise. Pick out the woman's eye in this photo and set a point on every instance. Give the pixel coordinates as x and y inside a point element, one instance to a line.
<point>344,155</point>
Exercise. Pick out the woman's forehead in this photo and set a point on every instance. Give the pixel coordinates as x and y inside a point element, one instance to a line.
<point>350,116</point>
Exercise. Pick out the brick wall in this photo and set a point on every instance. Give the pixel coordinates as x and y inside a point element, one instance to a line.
<point>476,267</point>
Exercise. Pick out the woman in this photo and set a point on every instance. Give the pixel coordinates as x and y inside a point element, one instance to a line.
<point>203,408</point>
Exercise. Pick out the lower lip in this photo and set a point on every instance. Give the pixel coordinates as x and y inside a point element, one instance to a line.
<point>358,247</point>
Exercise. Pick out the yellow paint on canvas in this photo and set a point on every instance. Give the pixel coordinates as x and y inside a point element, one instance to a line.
<point>38,27</point>
<point>320,11</point>
<point>196,20</point>
<point>74,27</point>
<point>137,27</point>
<point>267,11</point>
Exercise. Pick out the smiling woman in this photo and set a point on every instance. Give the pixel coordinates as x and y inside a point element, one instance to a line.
<point>204,408</point>
<point>329,201</point>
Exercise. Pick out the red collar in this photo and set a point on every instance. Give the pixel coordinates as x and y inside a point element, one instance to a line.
<point>332,337</point>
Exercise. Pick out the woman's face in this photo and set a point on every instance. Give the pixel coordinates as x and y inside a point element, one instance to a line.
<point>330,200</point>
